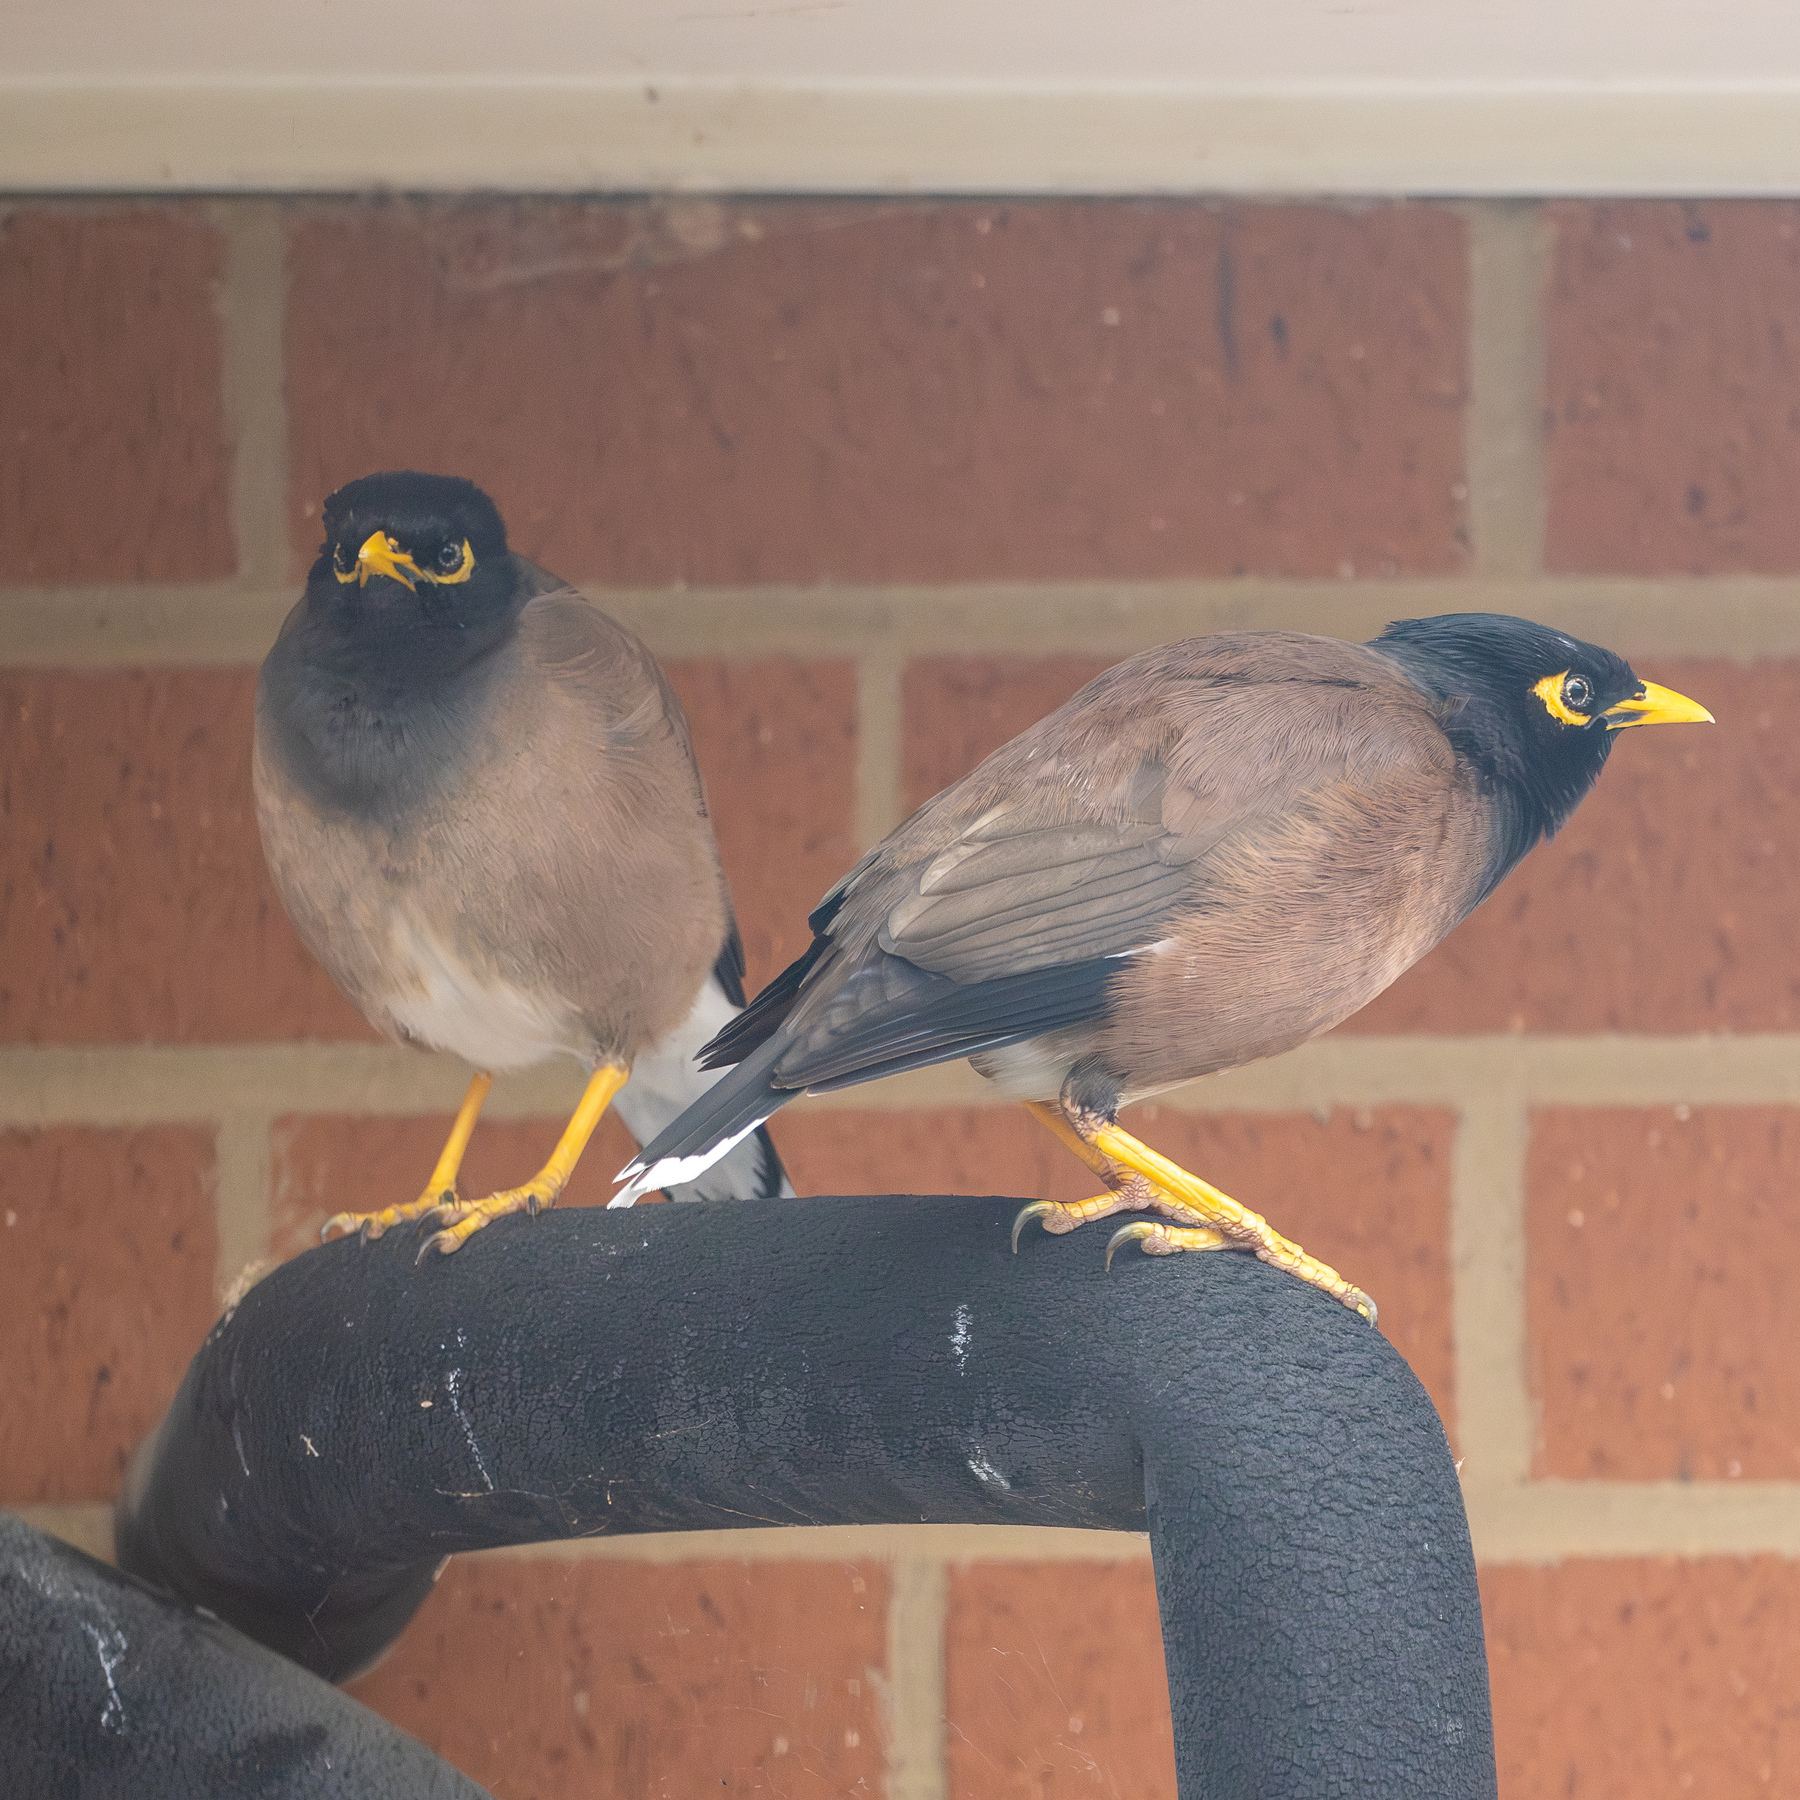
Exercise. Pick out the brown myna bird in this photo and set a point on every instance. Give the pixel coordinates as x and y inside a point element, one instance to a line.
<point>1214,852</point>
<point>481,809</point>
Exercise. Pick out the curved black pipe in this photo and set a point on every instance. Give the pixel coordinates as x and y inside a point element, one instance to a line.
<point>840,1361</point>
<point>111,1692</point>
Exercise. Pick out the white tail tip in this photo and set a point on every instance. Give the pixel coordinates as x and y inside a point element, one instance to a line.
<point>673,1171</point>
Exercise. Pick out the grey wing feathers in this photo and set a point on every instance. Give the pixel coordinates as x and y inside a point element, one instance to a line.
<point>1043,895</point>
<point>888,1016</point>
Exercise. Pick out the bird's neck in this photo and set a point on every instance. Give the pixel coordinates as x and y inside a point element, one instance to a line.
<point>1530,798</point>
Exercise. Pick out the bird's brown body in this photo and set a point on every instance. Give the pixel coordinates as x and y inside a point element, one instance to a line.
<point>589,936</point>
<point>1263,884</point>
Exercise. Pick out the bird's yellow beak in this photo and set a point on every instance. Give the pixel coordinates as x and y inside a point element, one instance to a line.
<point>380,555</point>
<point>1653,705</point>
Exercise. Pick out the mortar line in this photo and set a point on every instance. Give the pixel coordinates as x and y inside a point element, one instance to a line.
<point>914,1702</point>
<point>243,1198</point>
<point>232,623</point>
<point>135,1084</point>
<point>252,313</point>
<point>1494,1417</point>
<point>933,1545</point>
<point>1504,444</point>
<point>87,1524</point>
<point>880,736</point>
<point>1538,1522</point>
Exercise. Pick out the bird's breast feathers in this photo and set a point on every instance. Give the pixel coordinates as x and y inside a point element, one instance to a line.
<point>444,1001</point>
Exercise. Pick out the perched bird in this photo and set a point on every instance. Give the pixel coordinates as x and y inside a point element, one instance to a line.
<point>1214,852</point>
<point>480,806</point>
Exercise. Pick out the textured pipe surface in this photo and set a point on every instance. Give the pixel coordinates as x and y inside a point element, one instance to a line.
<point>111,1692</point>
<point>846,1361</point>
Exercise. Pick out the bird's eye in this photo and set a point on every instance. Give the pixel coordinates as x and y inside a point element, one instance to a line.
<point>1577,693</point>
<point>341,559</point>
<point>450,557</point>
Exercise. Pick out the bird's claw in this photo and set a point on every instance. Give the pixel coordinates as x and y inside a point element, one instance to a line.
<point>443,1242</point>
<point>461,1219</point>
<point>370,1226</point>
<point>1138,1228</point>
<point>1038,1209</point>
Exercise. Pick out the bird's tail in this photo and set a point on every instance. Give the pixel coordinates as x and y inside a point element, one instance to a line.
<point>666,1083</point>
<point>723,1124</point>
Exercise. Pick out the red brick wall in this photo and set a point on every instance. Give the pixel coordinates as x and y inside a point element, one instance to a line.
<point>883,482</point>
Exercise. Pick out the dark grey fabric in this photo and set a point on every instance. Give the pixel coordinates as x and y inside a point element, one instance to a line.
<point>109,1691</point>
<point>840,1361</point>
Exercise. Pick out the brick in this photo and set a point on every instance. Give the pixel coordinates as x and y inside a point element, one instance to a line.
<point>1054,1683</point>
<point>1638,1679</point>
<point>1664,1343</point>
<point>768,391</point>
<point>947,1150</point>
<point>958,709</point>
<point>107,1253</point>
<point>323,1163</point>
<point>1368,1192</point>
<point>134,903</point>
<point>1673,388</point>
<point>550,1679</point>
<point>115,462</point>
<point>776,744</point>
<point>1662,906</point>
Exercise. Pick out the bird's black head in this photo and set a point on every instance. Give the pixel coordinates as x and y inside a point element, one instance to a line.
<point>417,557</point>
<point>1534,711</point>
<point>374,687</point>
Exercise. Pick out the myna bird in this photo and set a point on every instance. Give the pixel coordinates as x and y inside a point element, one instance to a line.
<point>481,809</point>
<point>1214,852</point>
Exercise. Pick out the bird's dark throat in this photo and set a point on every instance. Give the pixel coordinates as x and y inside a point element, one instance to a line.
<point>374,701</point>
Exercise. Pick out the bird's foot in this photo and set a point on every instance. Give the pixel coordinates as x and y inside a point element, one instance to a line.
<point>371,1225</point>
<point>1160,1239</point>
<point>1155,1238</point>
<point>1134,1194</point>
<point>1206,1219</point>
<point>462,1219</point>
<point>440,1191</point>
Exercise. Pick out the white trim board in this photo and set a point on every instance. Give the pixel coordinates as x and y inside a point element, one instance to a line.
<point>448,133</point>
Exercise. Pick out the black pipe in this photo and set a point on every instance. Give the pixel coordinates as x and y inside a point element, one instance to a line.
<point>111,1692</point>
<point>834,1361</point>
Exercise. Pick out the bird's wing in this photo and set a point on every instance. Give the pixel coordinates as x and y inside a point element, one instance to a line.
<point>587,658</point>
<point>1010,931</point>
<point>610,887</point>
<point>578,643</point>
<point>1005,907</point>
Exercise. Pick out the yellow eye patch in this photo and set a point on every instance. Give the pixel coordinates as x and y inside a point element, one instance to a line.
<point>382,555</point>
<point>1550,691</point>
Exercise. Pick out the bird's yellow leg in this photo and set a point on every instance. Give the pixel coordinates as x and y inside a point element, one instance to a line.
<point>462,1220</point>
<point>1128,1192</point>
<point>1055,1121</point>
<point>1215,1217</point>
<point>440,1190</point>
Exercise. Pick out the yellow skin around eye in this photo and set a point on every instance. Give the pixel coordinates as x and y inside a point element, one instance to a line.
<point>1549,690</point>
<point>382,555</point>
